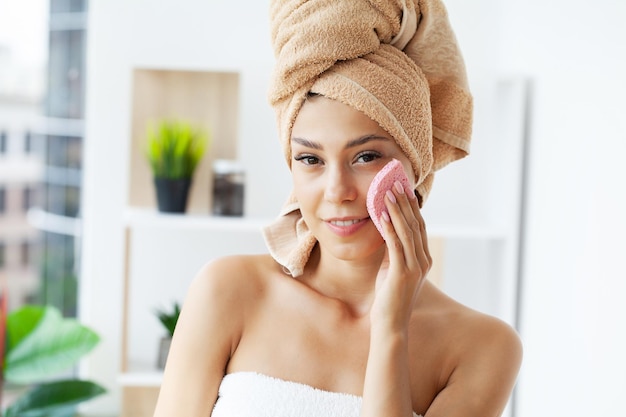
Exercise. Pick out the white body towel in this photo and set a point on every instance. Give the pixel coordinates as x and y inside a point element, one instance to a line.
<point>250,394</point>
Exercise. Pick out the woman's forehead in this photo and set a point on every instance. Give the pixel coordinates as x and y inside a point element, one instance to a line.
<point>322,119</point>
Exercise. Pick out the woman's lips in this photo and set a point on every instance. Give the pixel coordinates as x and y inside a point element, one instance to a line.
<point>346,227</point>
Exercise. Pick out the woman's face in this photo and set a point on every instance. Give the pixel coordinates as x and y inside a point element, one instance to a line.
<point>336,152</point>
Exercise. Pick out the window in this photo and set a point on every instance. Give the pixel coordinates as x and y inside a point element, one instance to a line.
<point>64,151</point>
<point>25,253</point>
<point>63,200</point>
<point>3,195</point>
<point>3,141</point>
<point>59,193</point>
<point>74,152</point>
<point>29,198</point>
<point>65,6</point>
<point>56,152</point>
<point>2,254</point>
<point>28,142</point>
<point>59,284</point>
<point>66,67</point>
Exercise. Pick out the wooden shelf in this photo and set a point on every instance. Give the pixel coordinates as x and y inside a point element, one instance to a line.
<point>207,99</point>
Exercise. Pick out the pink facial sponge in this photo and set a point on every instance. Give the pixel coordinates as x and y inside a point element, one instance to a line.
<point>382,182</point>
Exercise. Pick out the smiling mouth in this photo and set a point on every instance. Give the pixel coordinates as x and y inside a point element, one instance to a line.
<point>344,223</point>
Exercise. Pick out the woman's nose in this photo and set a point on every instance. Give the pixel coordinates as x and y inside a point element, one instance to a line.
<point>340,186</point>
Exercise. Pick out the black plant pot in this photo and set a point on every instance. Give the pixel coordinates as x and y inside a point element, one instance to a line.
<point>172,194</point>
<point>164,351</point>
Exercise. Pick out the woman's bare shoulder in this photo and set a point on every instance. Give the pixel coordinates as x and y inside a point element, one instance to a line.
<point>225,284</point>
<point>476,349</point>
<point>235,276</point>
<point>489,340</point>
<point>223,295</point>
<point>465,326</point>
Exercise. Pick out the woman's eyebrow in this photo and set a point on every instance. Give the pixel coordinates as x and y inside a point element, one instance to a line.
<point>307,143</point>
<point>354,142</point>
<point>364,139</point>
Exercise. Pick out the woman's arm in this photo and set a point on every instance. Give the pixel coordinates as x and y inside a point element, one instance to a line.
<point>387,386</point>
<point>206,334</point>
<point>487,356</point>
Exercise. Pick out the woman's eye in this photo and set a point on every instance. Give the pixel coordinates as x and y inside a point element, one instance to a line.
<point>307,159</point>
<point>367,157</point>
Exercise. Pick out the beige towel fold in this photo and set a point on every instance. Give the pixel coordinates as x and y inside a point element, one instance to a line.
<point>309,36</point>
<point>397,61</point>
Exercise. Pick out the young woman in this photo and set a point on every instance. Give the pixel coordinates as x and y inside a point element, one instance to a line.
<point>336,320</point>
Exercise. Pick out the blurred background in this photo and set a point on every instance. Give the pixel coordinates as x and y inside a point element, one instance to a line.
<point>42,89</point>
<point>531,227</point>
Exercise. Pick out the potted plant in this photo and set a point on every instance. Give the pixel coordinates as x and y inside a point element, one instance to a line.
<point>168,319</point>
<point>40,344</point>
<point>174,150</point>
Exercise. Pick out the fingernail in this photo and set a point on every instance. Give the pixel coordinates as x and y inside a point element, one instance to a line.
<point>390,196</point>
<point>385,216</point>
<point>399,187</point>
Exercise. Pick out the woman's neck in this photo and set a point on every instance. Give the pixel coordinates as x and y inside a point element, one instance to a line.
<point>352,282</point>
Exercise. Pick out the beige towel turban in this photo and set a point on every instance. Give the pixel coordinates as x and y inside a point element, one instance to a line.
<point>397,61</point>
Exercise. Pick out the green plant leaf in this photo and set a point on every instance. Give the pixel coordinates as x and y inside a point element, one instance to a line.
<point>21,322</point>
<point>174,148</point>
<point>53,398</point>
<point>53,345</point>
<point>169,319</point>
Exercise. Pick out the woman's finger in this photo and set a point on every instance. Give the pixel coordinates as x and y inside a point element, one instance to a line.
<point>409,229</point>
<point>395,248</point>
<point>422,250</point>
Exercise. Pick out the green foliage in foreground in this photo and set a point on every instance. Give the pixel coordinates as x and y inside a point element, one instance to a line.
<point>40,344</point>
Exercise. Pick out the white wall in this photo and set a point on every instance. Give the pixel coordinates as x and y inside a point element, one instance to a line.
<point>574,316</point>
<point>573,320</point>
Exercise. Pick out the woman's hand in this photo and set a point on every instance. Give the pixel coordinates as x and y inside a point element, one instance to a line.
<point>406,262</point>
<point>387,387</point>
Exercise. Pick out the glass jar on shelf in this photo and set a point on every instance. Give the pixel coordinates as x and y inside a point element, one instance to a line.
<point>228,188</point>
